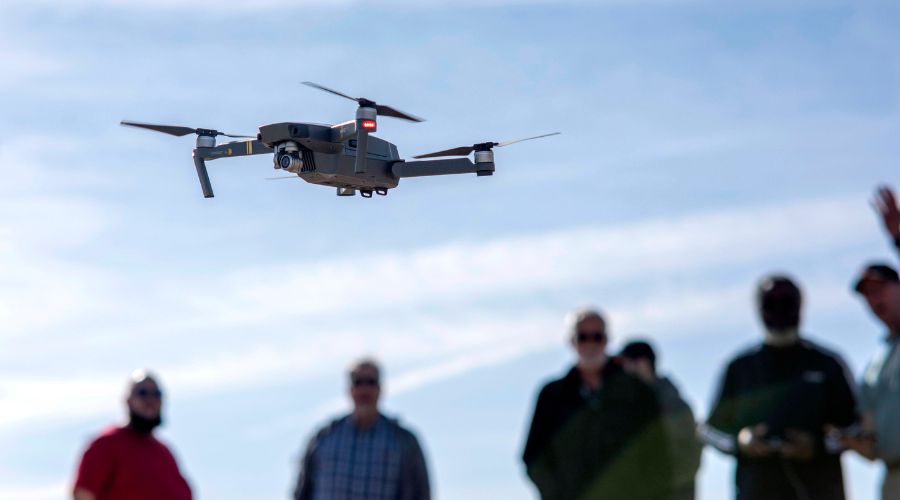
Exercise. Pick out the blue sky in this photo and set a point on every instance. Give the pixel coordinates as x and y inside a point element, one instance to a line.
<point>703,145</point>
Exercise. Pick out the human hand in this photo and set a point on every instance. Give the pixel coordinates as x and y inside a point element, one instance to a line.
<point>858,439</point>
<point>799,445</point>
<point>885,203</point>
<point>752,443</point>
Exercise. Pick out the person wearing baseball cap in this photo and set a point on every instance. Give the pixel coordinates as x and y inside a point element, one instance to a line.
<point>879,285</point>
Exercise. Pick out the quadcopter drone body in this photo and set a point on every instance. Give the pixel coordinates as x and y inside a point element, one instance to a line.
<point>343,156</point>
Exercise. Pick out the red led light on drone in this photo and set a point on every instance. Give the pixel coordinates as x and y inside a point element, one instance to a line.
<point>368,124</point>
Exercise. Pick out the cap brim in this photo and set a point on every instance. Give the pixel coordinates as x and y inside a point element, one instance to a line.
<point>868,278</point>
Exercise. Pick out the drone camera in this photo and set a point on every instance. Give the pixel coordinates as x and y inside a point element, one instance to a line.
<point>289,161</point>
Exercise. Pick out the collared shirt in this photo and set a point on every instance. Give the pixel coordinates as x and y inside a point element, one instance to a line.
<point>881,398</point>
<point>351,463</point>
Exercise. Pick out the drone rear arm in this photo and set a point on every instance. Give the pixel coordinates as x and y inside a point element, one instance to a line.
<point>441,167</point>
<point>227,150</point>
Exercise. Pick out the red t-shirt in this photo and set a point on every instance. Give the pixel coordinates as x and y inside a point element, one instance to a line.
<point>124,465</point>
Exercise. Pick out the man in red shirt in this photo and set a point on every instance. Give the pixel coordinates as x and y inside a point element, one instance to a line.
<point>128,462</point>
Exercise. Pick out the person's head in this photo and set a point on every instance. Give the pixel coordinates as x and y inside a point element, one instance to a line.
<point>365,386</point>
<point>639,359</point>
<point>880,286</point>
<point>587,330</point>
<point>779,301</point>
<point>144,401</point>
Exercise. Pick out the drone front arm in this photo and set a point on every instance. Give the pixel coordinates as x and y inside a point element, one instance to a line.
<point>227,150</point>
<point>236,148</point>
<point>441,167</point>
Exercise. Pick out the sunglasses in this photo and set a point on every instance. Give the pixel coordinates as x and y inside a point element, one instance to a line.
<point>146,393</point>
<point>364,381</point>
<point>597,337</point>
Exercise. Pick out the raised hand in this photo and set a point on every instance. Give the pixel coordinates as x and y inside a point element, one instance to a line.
<point>885,204</point>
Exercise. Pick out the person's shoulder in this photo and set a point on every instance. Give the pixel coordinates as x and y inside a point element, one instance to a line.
<point>330,426</point>
<point>394,423</point>
<point>746,355</point>
<point>108,439</point>
<point>111,434</point>
<point>560,383</point>
<point>823,354</point>
<point>816,348</point>
<point>614,373</point>
<point>665,385</point>
<point>403,432</point>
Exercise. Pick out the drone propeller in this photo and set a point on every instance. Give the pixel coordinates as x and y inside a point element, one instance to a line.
<point>179,131</point>
<point>206,138</point>
<point>484,146</point>
<point>381,109</point>
<point>366,122</point>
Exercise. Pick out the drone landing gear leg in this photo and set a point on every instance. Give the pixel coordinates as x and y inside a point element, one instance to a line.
<point>365,193</point>
<point>381,192</point>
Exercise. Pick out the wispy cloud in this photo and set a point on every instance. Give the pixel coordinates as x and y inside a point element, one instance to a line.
<point>531,263</point>
<point>27,492</point>
<point>41,222</point>
<point>20,65</point>
<point>317,299</point>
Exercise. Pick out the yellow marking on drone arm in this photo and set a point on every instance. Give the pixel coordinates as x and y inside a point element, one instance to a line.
<point>249,147</point>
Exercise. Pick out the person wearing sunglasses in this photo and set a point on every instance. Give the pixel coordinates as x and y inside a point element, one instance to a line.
<point>364,455</point>
<point>127,462</point>
<point>596,433</point>
<point>775,402</point>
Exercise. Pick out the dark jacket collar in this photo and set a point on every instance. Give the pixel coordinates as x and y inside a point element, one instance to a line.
<point>612,368</point>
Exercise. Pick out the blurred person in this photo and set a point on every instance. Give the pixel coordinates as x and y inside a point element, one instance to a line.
<point>879,436</point>
<point>639,359</point>
<point>364,455</point>
<point>595,433</point>
<point>127,462</point>
<point>774,403</point>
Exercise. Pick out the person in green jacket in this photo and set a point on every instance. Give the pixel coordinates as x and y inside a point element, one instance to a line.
<point>639,359</point>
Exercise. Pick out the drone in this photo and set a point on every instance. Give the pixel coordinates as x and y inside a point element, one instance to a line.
<point>344,156</point>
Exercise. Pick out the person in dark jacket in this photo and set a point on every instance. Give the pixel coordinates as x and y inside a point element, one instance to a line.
<point>774,404</point>
<point>639,359</point>
<point>595,433</point>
